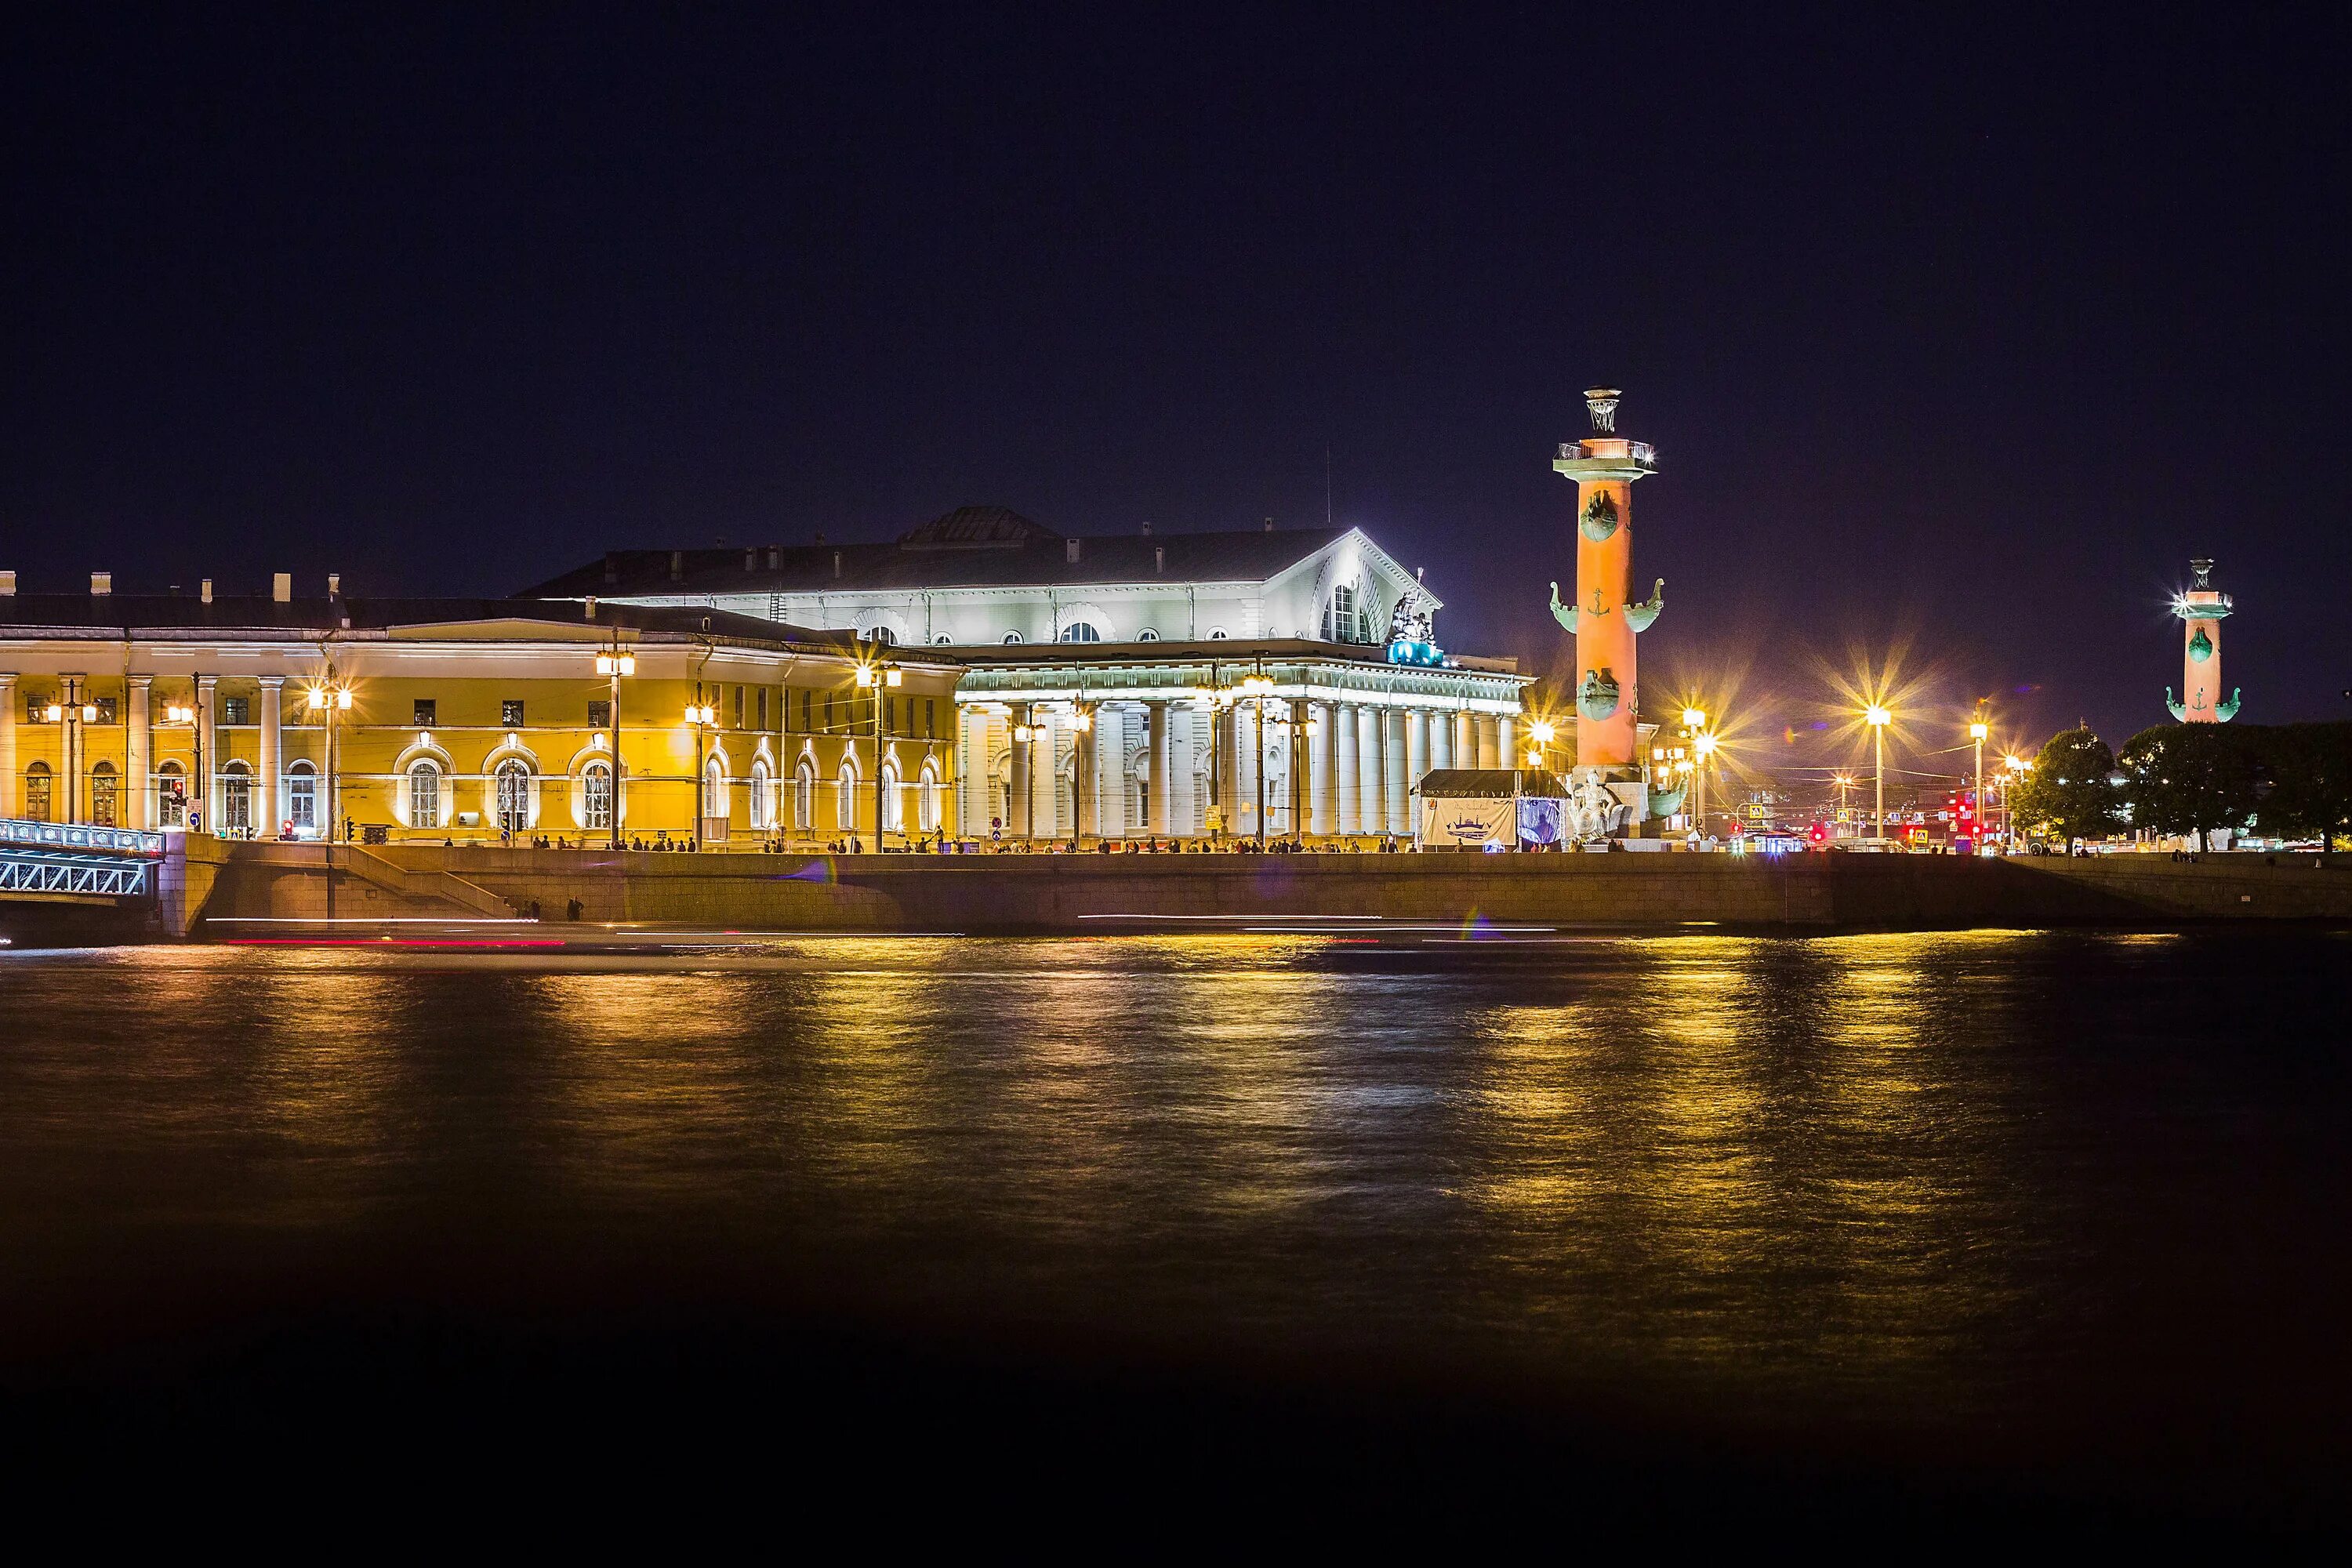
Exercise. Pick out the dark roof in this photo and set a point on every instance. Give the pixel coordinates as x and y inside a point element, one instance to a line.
<point>1489,784</point>
<point>972,547</point>
<point>123,614</point>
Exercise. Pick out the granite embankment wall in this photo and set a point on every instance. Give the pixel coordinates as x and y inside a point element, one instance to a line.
<point>1047,892</point>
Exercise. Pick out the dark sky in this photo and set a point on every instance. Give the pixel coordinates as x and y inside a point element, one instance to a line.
<point>1965,339</point>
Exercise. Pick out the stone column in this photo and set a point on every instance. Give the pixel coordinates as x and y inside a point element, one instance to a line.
<point>1508,743</point>
<point>1392,768</point>
<point>1086,816</point>
<point>1416,751</point>
<point>1441,740</point>
<point>1249,761</point>
<point>137,738</point>
<point>1465,740</point>
<point>1371,795</point>
<point>200,787</point>
<point>1490,754</point>
<point>1161,780</point>
<point>268,787</point>
<point>8,803</point>
<point>1016,794</point>
<point>1323,772</point>
<point>1346,777</point>
<point>1046,780</point>
<point>67,794</point>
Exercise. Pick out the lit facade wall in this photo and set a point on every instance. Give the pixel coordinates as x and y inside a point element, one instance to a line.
<point>500,723</point>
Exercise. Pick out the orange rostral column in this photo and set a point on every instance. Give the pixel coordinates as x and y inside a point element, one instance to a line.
<point>2201,608</point>
<point>1605,619</point>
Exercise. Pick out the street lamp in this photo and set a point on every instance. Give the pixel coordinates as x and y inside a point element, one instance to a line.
<point>1539,735</point>
<point>614,663</point>
<point>1977,730</point>
<point>1877,716</point>
<point>2018,768</point>
<point>702,716</point>
<point>70,711</point>
<point>1255,687</point>
<point>1704,745</point>
<point>1844,782</point>
<point>873,674</point>
<point>327,699</point>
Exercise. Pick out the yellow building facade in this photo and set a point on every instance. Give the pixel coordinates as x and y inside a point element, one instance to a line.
<point>468,721</point>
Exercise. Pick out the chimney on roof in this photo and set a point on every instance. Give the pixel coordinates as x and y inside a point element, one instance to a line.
<point>775,558</point>
<point>837,563</point>
<point>1269,526</point>
<point>1070,550</point>
<point>1159,558</point>
<point>205,590</point>
<point>281,587</point>
<point>592,607</point>
<point>820,536</point>
<point>750,559</point>
<point>1146,531</point>
<point>334,584</point>
<point>101,583</point>
<point>677,565</point>
<point>8,584</point>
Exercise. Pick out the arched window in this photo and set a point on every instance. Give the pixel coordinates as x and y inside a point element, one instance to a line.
<point>596,796</point>
<point>805,796</point>
<point>1081,631</point>
<point>882,636</point>
<point>302,799</point>
<point>170,796</point>
<point>763,816</point>
<point>105,796</point>
<point>714,789</point>
<point>1350,613</point>
<point>1149,634</point>
<point>513,780</point>
<point>941,640</point>
<point>894,814</point>
<point>845,805</point>
<point>236,799</point>
<point>424,796</point>
<point>1011,638</point>
<point>38,798</point>
<point>1216,634</point>
<point>927,800</point>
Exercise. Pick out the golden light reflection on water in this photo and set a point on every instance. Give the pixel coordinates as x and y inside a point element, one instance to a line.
<point>1695,1151</point>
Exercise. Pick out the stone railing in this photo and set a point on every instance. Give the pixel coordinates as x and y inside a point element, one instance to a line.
<point>79,835</point>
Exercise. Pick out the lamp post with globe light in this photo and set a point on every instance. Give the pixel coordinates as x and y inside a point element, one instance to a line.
<point>1977,730</point>
<point>1877,717</point>
<point>614,663</point>
<point>879,677</point>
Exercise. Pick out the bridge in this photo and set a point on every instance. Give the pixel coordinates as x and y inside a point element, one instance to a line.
<point>73,862</point>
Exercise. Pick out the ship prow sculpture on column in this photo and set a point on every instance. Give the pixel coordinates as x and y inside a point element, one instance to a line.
<point>1605,618</point>
<point>2201,610</point>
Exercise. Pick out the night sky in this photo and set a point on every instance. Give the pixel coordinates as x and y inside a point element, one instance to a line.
<point>1967,340</point>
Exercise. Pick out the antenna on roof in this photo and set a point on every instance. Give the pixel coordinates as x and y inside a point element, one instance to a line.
<point>1327,484</point>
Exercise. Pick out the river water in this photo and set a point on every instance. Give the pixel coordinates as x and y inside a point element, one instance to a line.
<point>2068,1209</point>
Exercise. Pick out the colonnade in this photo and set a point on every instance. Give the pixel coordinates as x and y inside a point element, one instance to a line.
<point>1180,769</point>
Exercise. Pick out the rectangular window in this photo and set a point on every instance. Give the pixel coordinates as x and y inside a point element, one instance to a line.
<point>739,708</point>
<point>808,706</point>
<point>237,710</point>
<point>600,715</point>
<point>36,707</point>
<point>510,713</point>
<point>105,710</point>
<point>930,718</point>
<point>890,715</point>
<point>424,713</point>
<point>763,709</point>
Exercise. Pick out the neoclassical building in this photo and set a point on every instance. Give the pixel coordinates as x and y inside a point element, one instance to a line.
<point>462,719</point>
<point>1143,683</point>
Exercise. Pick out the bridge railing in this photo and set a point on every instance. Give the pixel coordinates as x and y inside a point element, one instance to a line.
<point>16,832</point>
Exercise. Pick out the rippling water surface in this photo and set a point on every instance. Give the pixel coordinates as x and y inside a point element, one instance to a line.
<point>2038,1191</point>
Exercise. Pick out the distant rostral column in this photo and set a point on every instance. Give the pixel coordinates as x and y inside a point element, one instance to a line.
<point>2202,608</point>
<point>1605,619</point>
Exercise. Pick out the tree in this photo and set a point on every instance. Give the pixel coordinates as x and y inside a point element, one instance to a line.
<point>2308,768</point>
<point>2189,778</point>
<point>2067,794</point>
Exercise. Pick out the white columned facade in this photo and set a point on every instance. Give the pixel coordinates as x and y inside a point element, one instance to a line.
<point>1465,740</point>
<point>1441,740</point>
<point>1247,764</point>
<point>1508,729</point>
<point>9,806</point>
<point>268,787</point>
<point>1349,770</point>
<point>1393,767</point>
<point>1322,772</point>
<point>1490,754</point>
<point>136,741</point>
<point>1158,793</point>
<point>1371,795</point>
<point>207,752</point>
<point>1086,805</point>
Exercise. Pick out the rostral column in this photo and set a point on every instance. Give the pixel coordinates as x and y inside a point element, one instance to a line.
<point>1605,619</point>
<point>2201,607</point>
